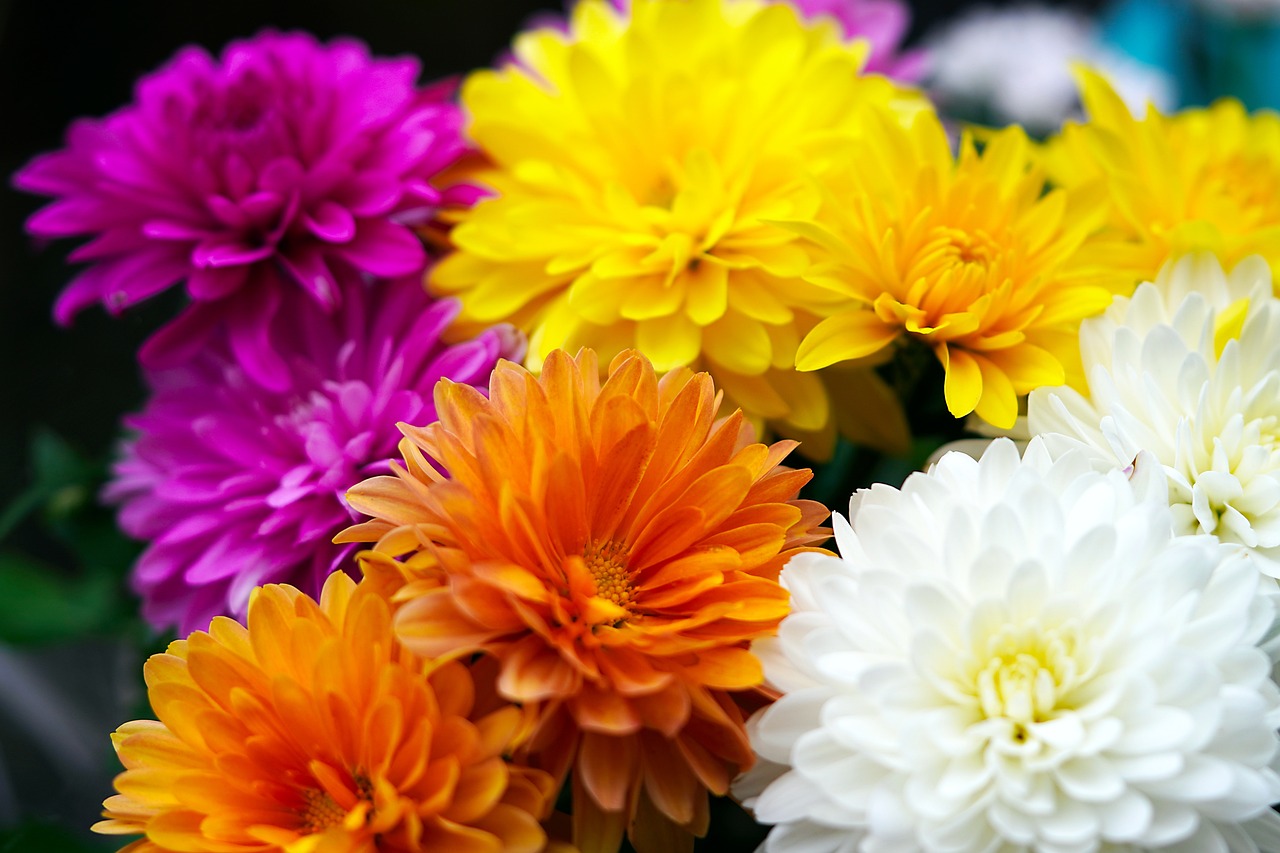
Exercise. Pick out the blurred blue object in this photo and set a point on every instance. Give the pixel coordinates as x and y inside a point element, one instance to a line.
<point>1209,49</point>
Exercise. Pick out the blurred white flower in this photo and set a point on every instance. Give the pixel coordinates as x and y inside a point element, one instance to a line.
<point>1015,63</point>
<point>1189,370</point>
<point>1018,655</point>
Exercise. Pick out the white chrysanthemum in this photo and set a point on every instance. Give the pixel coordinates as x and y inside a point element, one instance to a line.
<point>1188,369</point>
<point>1015,63</point>
<point>1018,655</point>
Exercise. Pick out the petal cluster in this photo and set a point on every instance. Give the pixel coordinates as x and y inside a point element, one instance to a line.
<point>616,548</point>
<point>642,163</point>
<point>1018,655</point>
<point>234,484</point>
<point>969,256</point>
<point>313,731</point>
<point>1199,180</point>
<point>283,164</point>
<point>1188,370</point>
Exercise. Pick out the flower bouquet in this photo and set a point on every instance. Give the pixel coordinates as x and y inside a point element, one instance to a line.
<point>683,430</point>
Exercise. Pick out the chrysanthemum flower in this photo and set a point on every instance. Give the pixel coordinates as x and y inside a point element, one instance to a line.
<point>1188,369</point>
<point>616,548</point>
<point>1019,655</point>
<point>1199,180</point>
<point>286,164</point>
<point>641,163</point>
<point>314,731</point>
<point>968,256</point>
<point>235,484</point>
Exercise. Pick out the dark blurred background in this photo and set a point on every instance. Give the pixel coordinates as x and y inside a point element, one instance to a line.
<point>70,647</point>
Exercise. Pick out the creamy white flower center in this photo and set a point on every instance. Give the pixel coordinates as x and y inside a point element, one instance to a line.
<point>1025,672</point>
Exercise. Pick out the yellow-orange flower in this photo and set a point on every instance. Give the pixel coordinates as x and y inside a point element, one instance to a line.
<point>966,255</point>
<point>641,163</point>
<point>314,731</point>
<point>616,548</point>
<point>1199,180</point>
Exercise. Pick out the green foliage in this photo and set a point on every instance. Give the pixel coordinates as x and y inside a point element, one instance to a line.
<point>66,579</point>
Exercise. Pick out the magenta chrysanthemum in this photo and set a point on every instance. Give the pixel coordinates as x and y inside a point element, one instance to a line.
<point>284,164</point>
<point>235,484</point>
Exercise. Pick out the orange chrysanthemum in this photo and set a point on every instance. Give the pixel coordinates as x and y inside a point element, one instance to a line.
<point>616,549</point>
<point>314,731</point>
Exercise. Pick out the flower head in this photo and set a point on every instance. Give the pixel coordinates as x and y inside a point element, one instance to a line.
<point>1187,370</point>
<point>313,730</point>
<point>616,549</point>
<point>1018,655</point>
<point>970,257</point>
<point>640,164</point>
<point>1200,180</point>
<point>285,164</point>
<point>234,484</point>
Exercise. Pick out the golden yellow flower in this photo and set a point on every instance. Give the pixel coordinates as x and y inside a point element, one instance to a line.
<point>1199,180</point>
<point>966,255</point>
<point>314,731</point>
<point>616,548</point>
<point>641,163</point>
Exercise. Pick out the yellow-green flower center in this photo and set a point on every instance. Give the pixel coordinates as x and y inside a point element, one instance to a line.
<point>1027,672</point>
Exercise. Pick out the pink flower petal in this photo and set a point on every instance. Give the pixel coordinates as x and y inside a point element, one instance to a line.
<point>217,254</point>
<point>331,222</point>
<point>212,283</point>
<point>384,249</point>
<point>309,268</point>
<point>179,340</point>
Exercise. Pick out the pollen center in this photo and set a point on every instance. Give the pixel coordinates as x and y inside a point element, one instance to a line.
<point>320,812</point>
<point>970,247</point>
<point>607,562</point>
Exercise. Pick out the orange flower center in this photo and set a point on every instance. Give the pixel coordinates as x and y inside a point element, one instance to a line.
<point>321,812</point>
<point>607,562</point>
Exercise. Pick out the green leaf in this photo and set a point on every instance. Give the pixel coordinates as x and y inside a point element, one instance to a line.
<point>38,604</point>
<point>63,482</point>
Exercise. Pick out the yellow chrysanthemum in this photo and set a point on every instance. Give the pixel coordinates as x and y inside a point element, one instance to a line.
<point>1199,180</point>
<point>640,164</point>
<point>616,548</point>
<point>965,254</point>
<point>314,731</point>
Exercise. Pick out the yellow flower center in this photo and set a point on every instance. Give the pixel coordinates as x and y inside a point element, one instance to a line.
<point>607,562</point>
<point>321,812</point>
<point>966,247</point>
<point>1027,673</point>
